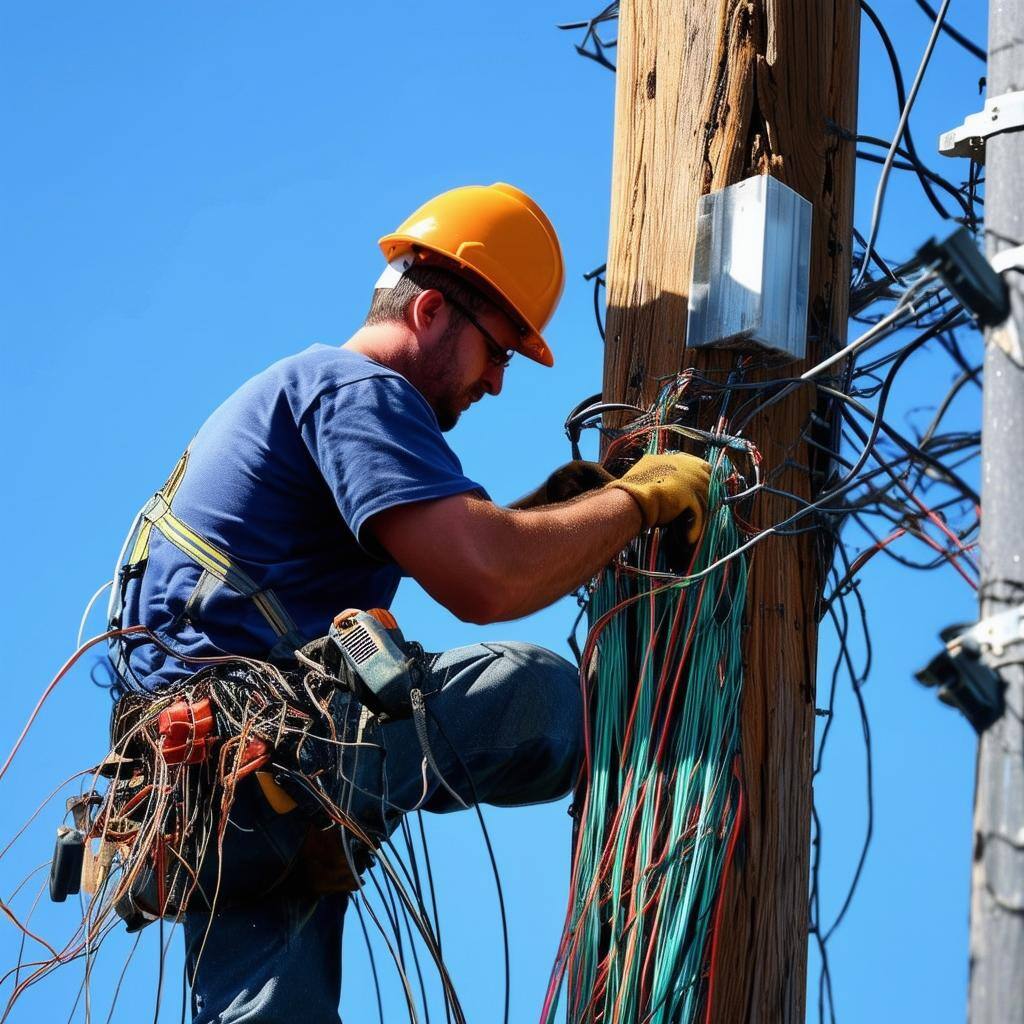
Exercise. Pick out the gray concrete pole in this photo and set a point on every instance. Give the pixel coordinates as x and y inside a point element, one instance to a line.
<point>997,884</point>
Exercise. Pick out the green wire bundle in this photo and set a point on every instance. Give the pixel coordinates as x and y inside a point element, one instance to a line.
<point>658,805</point>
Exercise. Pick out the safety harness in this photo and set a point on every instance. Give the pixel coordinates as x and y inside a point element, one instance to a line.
<point>216,564</point>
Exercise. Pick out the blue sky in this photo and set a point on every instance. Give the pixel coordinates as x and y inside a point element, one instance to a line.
<point>192,191</point>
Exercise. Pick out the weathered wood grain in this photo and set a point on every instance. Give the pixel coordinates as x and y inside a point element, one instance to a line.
<point>708,93</point>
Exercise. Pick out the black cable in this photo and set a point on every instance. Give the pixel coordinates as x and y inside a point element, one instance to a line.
<point>965,377</point>
<point>867,369</point>
<point>829,716</point>
<point>948,473</point>
<point>856,684</point>
<point>973,180</point>
<point>972,48</point>
<point>880,425</point>
<point>409,1000</point>
<point>597,276</point>
<point>901,97</point>
<point>433,898</point>
<point>841,622</point>
<point>909,164</point>
<point>948,340</point>
<point>387,900</point>
<point>419,972</point>
<point>423,926</point>
<point>857,302</point>
<point>410,870</point>
<point>494,863</point>
<point>411,875</point>
<point>159,970</point>
<point>373,961</point>
<point>849,479</point>
<point>610,13</point>
<point>825,974</point>
<point>871,290</point>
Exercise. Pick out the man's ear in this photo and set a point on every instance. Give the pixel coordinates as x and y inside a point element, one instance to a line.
<point>424,315</point>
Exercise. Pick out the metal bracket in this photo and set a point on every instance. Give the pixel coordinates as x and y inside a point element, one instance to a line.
<point>994,634</point>
<point>80,808</point>
<point>1008,259</point>
<point>1000,114</point>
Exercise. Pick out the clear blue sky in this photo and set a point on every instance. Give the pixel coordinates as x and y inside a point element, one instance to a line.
<point>191,191</point>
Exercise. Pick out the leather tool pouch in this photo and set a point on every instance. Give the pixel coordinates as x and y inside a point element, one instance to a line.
<point>225,828</point>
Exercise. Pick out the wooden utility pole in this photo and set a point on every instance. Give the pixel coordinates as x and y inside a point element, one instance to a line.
<point>997,891</point>
<point>710,92</point>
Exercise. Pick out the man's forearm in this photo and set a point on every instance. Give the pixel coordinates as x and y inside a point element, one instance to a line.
<point>538,555</point>
<point>488,564</point>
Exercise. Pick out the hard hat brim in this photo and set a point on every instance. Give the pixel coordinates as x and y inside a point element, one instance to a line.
<point>531,344</point>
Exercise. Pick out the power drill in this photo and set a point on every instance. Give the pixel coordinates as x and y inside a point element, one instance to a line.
<point>383,667</point>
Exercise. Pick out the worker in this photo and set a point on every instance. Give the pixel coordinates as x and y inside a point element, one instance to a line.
<point>319,484</point>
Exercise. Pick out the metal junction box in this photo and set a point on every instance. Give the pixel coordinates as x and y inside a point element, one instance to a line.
<point>750,268</point>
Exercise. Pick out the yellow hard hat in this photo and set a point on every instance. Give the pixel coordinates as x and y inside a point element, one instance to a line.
<point>503,241</point>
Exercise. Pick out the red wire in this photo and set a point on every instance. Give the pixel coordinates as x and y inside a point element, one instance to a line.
<point>64,669</point>
<point>730,850</point>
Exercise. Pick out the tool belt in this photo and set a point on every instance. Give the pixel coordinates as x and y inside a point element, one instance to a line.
<point>220,791</point>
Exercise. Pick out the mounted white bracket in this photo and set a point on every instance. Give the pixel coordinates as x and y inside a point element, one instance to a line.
<point>995,634</point>
<point>1008,259</point>
<point>1000,114</point>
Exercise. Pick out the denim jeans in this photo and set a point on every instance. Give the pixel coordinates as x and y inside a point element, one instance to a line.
<point>504,727</point>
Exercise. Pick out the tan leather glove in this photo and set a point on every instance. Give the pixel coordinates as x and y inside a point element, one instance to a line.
<point>664,486</point>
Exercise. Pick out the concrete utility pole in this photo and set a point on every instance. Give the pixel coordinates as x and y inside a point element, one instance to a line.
<point>997,896</point>
<point>710,92</point>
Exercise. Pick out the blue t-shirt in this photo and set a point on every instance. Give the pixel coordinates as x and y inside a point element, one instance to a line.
<point>283,478</point>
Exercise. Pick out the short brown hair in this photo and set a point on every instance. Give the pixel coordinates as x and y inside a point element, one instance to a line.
<point>389,304</point>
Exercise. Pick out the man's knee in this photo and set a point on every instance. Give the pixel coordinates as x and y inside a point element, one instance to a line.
<point>540,714</point>
<point>546,687</point>
<point>507,714</point>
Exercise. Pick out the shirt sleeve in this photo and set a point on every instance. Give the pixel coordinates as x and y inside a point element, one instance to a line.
<point>377,444</point>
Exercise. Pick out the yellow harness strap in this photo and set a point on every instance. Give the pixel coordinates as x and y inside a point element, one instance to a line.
<point>140,549</point>
<point>157,515</point>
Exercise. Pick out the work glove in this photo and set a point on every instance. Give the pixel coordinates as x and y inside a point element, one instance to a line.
<point>665,486</point>
<point>568,481</point>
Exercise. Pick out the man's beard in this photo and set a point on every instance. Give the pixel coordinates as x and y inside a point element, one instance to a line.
<point>447,416</point>
<point>434,380</point>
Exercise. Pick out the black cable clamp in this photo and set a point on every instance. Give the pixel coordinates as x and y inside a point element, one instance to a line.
<point>969,276</point>
<point>965,671</point>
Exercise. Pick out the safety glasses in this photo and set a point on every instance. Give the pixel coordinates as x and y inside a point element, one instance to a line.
<point>497,353</point>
